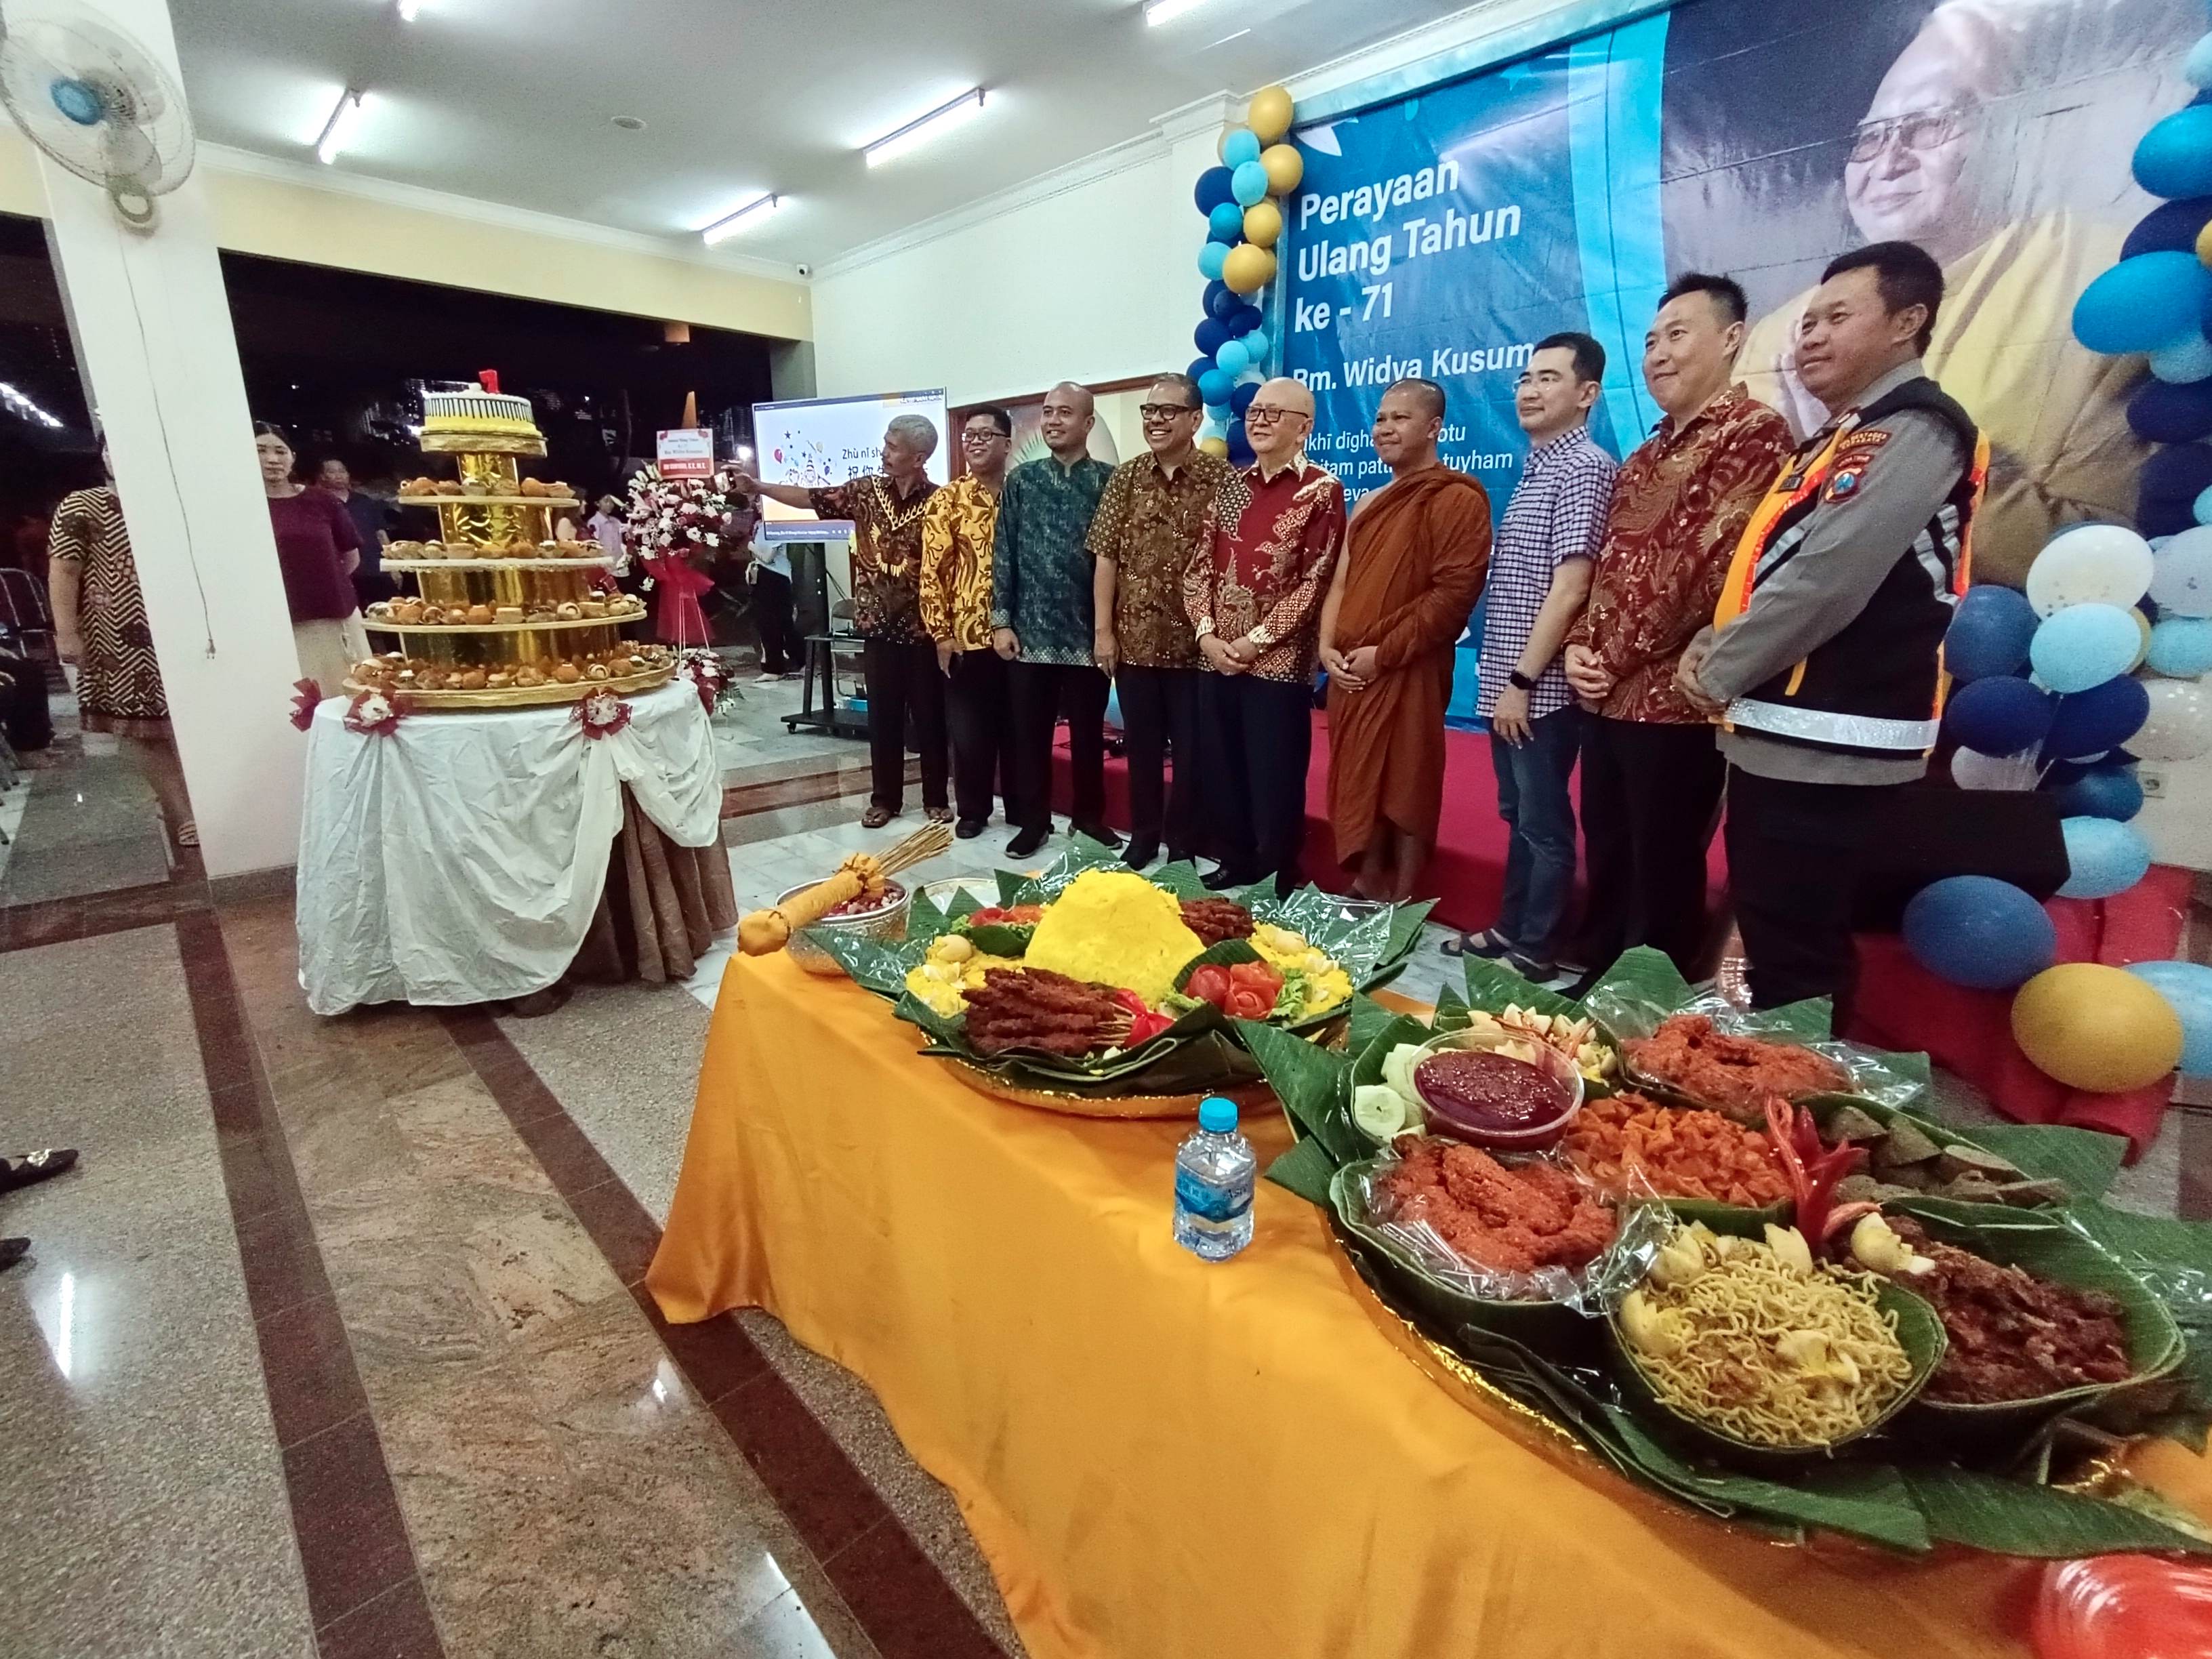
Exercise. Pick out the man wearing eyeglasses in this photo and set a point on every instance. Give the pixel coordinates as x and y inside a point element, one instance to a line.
<point>956,531</point>
<point>1255,602</point>
<point>1041,621</point>
<point>1151,523</point>
<point>1930,165</point>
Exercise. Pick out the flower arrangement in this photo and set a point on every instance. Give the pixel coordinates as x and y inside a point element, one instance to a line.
<point>376,714</point>
<point>707,674</point>
<point>306,694</point>
<point>677,516</point>
<point>602,714</point>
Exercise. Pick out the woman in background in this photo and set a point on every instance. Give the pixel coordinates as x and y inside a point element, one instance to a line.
<point>100,626</point>
<point>318,549</point>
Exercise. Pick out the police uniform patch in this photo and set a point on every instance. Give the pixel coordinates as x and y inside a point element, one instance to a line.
<point>1843,482</point>
<point>1862,443</point>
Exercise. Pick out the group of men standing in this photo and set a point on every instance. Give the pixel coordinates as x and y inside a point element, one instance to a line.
<point>1727,611</point>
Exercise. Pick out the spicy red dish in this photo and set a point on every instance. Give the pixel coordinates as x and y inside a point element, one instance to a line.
<point>1476,1093</point>
<point>861,905</point>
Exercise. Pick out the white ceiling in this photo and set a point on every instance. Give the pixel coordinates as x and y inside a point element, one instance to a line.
<point>512,100</point>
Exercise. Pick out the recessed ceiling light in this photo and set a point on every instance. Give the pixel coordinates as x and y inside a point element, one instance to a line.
<point>409,10</point>
<point>338,132</point>
<point>743,219</point>
<point>630,123</point>
<point>1166,11</point>
<point>920,130</point>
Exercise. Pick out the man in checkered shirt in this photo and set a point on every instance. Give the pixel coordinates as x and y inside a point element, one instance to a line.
<point>1539,574</point>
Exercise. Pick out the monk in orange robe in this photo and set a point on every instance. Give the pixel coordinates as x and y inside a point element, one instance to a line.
<point>1416,556</point>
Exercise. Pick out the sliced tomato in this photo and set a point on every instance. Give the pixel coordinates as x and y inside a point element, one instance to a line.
<point>1210,983</point>
<point>1258,977</point>
<point>1245,1003</point>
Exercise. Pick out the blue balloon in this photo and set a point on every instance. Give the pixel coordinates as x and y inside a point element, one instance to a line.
<point>2164,413</point>
<point>1979,932</point>
<point>1230,360</point>
<point>2169,227</point>
<point>1199,367</point>
<point>2197,68</point>
<point>1223,308</point>
<point>2201,508</point>
<point>2181,647</point>
<point>1240,445</point>
<point>2180,364</point>
<point>2084,645</point>
<point>1241,398</point>
<point>1255,346</point>
<point>1242,145</point>
<point>2103,857</point>
<point>1250,185</point>
<point>2174,158</point>
<point>1214,386</point>
<point>2177,474</point>
<point>2000,716</point>
<point>2142,304</point>
<point>1990,633</point>
<point>2187,988</point>
<point>1212,260</point>
<point>2103,717</point>
<point>1210,336</point>
<point>2161,518</point>
<point>1215,186</point>
<point>1226,222</point>
<point>1248,318</point>
<point>2109,789</point>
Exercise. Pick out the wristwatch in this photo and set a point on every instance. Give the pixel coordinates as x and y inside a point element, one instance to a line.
<point>1520,681</point>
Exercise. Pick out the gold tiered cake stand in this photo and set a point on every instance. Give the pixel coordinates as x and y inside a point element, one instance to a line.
<point>530,656</point>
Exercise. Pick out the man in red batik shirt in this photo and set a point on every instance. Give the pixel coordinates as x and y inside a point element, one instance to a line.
<point>1255,600</point>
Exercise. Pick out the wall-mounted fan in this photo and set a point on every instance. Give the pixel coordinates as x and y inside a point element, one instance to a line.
<point>97,102</point>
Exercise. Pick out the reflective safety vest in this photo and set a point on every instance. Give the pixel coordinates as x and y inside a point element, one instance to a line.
<point>1875,687</point>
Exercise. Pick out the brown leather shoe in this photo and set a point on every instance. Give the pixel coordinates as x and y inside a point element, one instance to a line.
<point>876,817</point>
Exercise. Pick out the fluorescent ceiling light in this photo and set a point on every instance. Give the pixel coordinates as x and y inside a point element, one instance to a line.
<point>745,217</point>
<point>338,132</point>
<point>1166,11</point>
<point>914,134</point>
<point>409,10</point>
<point>29,410</point>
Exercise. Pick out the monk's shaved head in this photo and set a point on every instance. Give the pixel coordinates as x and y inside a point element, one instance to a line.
<point>1428,397</point>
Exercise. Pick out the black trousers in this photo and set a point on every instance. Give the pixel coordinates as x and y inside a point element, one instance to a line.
<point>24,714</point>
<point>781,649</point>
<point>1160,711</point>
<point>1259,741</point>
<point>1652,794</point>
<point>1043,692</point>
<point>906,697</point>
<point>1794,853</point>
<point>979,709</point>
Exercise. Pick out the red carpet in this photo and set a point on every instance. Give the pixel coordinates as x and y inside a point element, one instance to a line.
<point>1900,1005</point>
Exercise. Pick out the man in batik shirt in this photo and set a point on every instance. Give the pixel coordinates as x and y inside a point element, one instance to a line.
<point>904,681</point>
<point>956,531</point>
<point>1254,603</point>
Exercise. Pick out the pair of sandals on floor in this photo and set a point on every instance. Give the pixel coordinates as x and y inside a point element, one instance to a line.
<point>877,817</point>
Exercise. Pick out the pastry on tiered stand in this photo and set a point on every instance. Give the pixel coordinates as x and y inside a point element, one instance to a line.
<point>508,615</point>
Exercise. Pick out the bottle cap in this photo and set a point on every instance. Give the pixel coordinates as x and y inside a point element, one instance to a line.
<point>1216,1115</point>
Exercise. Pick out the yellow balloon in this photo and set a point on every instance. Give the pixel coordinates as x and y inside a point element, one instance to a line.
<point>2096,1028</point>
<point>1269,115</point>
<point>1263,223</point>
<point>2142,649</point>
<point>1215,447</point>
<point>1247,269</point>
<point>1286,167</point>
<point>2204,238</point>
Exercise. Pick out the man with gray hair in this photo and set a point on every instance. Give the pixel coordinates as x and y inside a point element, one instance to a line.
<point>906,691</point>
<point>1042,621</point>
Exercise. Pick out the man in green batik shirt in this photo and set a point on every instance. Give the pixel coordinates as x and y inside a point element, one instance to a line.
<point>1041,621</point>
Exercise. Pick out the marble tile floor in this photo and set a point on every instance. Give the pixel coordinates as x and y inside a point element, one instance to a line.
<point>88,826</point>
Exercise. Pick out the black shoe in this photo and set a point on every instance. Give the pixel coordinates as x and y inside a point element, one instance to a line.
<point>35,1166</point>
<point>1097,832</point>
<point>1224,879</point>
<point>13,1251</point>
<point>1027,843</point>
<point>969,829</point>
<point>1140,853</point>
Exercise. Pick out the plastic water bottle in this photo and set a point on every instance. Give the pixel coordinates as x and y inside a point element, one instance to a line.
<point>1215,1171</point>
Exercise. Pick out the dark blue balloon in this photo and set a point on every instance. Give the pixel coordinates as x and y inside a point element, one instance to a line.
<point>1211,336</point>
<point>1215,186</point>
<point>1239,447</point>
<point>1990,633</point>
<point>2164,414</point>
<point>1214,290</point>
<point>1200,366</point>
<point>2171,227</point>
<point>1224,308</point>
<point>2106,790</point>
<point>1980,931</point>
<point>2179,472</point>
<point>2090,722</point>
<point>1248,318</point>
<point>2163,516</point>
<point>1241,399</point>
<point>2000,716</point>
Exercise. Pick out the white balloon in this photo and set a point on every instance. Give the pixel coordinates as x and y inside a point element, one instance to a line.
<point>2184,362</point>
<point>2179,727</point>
<point>1973,770</point>
<point>2181,574</point>
<point>2089,565</point>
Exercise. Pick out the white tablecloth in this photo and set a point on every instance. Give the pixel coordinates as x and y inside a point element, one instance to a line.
<point>460,859</point>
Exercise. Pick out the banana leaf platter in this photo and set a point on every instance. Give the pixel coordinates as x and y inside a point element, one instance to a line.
<point>1201,1053</point>
<point>2049,1483</point>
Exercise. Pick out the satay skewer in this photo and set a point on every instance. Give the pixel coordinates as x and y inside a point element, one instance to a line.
<point>765,931</point>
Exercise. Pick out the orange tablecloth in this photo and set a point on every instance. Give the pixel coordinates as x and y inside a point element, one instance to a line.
<point>1164,1459</point>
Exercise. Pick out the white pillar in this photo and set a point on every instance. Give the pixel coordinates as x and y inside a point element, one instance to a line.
<point>151,326</point>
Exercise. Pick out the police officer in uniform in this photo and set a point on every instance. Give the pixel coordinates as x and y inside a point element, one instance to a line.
<point>1824,664</point>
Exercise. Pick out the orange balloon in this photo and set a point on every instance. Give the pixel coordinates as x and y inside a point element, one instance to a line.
<point>1286,167</point>
<point>1263,223</point>
<point>1269,117</point>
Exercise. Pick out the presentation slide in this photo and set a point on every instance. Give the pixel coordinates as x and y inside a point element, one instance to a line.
<point>817,441</point>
